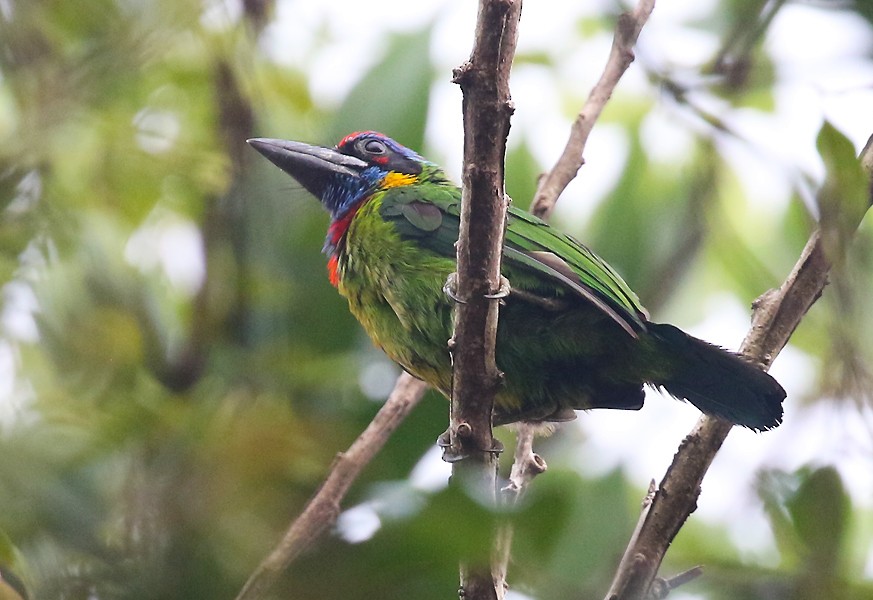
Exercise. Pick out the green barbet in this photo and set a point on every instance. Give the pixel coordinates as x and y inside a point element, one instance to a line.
<point>571,334</point>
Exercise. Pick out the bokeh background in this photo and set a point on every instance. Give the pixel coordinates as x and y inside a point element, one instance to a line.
<point>177,374</point>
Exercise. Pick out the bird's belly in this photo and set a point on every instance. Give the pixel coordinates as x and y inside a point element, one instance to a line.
<point>408,317</point>
<point>552,363</point>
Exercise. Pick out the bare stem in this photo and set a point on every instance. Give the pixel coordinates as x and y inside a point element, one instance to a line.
<point>571,160</point>
<point>526,465</point>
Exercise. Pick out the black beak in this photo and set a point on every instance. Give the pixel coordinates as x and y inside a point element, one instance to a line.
<point>313,166</point>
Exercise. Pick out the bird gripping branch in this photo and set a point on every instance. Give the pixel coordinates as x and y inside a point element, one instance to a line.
<point>571,336</point>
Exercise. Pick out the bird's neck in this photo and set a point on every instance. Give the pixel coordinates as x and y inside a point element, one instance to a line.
<point>339,223</point>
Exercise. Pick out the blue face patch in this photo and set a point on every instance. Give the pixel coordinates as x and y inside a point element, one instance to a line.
<point>343,192</point>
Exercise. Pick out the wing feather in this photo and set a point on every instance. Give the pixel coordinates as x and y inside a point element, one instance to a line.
<point>431,216</point>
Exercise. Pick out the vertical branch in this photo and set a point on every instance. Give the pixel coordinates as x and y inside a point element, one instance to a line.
<point>487,107</point>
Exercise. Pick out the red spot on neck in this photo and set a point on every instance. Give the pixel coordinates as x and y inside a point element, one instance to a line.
<point>332,273</point>
<point>335,233</point>
<point>338,228</point>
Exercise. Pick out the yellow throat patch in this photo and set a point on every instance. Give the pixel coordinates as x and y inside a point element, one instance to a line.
<point>393,179</point>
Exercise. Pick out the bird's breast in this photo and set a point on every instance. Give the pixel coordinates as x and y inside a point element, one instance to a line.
<point>394,289</point>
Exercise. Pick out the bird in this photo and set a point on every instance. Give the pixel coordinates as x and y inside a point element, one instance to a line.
<point>571,333</point>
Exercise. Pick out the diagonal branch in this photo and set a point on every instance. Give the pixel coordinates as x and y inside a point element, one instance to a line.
<point>621,55</point>
<point>777,314</point>
<point>322,510</point>
<point>527,464</point>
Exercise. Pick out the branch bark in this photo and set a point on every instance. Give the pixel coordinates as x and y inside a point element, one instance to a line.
<point>322,510</point>
<point>487,107</point>
<point>777,314</point>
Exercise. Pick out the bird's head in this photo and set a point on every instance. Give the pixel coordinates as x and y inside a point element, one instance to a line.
<point>362,163</point>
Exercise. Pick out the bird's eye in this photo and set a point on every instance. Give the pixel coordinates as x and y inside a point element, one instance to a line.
<point>374,147</point>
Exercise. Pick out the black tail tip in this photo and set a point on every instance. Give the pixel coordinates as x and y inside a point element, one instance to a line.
<point>719,382</point>
<point>754,400</point>
<point>746,405</point>
<point>767,414</point>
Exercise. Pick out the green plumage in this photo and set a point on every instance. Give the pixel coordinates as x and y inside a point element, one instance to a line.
<point>571,334</point>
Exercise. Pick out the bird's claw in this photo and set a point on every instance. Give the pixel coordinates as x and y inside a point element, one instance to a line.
<point>502,292</point>
<point>450,286</point>
<point>453,454</point>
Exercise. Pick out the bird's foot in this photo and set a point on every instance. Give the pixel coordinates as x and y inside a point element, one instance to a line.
<point>502,292</point>
<point>451,454</point>
<point>455,453</point>
<point>450,288</point>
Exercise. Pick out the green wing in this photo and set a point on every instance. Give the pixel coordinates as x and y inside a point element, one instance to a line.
<point>531,242</point>
<point>430,215</point>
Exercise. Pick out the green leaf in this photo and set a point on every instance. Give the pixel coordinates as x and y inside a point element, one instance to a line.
<point>845,194</point>
<point>820,511</point>
<point>651,227</point>
<point>568,532</point>
<point>522,172</point>
<point>809,513</point>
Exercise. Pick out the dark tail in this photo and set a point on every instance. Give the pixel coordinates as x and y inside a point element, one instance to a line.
<point>716,381</point>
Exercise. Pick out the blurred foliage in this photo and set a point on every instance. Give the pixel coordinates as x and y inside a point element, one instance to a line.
<point>181,373</point>
<point>810,513</point>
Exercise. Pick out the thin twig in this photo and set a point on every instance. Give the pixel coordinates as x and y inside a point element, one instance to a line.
<point>661,588</point>
<point>555,181</point>
<point>526,465</point>
<point>322,510</point>
<point>776,315</point>
<point>571,160</point>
